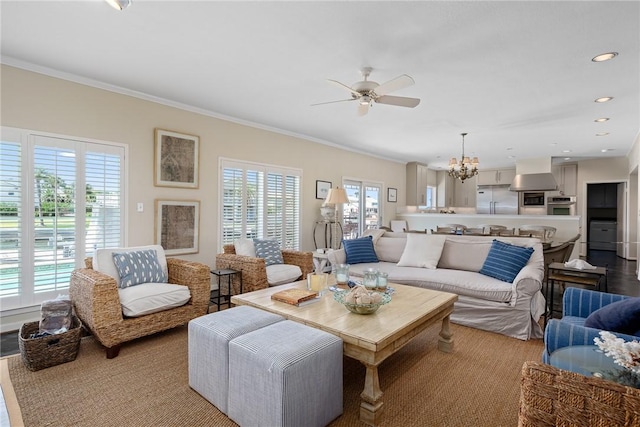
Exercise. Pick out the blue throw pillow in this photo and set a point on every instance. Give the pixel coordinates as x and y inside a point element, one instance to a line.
<point>505,261</point>
<point>138,267</point>
<point>268,249</point>
<point>360,250</point>
<point>620,316</point>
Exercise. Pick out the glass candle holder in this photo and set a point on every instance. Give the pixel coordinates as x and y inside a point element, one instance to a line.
<point>342,274</point>
<point>317,282</point>
<point>370,279</point>
<point>382,280</point>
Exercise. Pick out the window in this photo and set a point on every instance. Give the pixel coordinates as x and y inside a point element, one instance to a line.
<point>60,199</point>
<point>363,210</point>
<point>260,201</point>
<point>430,200</point>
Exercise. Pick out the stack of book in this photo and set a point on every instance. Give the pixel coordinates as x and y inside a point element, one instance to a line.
<point>296,296</point>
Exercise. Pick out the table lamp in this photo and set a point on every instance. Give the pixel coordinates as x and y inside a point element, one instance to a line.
<point>336,196</point>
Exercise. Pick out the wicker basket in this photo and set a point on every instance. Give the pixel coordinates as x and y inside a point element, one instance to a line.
<point>51,350</point>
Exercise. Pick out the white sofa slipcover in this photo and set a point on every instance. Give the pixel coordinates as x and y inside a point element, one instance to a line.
<point>511,309</point>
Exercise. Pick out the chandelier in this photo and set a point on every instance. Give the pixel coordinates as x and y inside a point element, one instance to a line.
<point>464,169</point>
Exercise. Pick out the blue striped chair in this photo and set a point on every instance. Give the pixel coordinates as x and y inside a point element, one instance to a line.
<point>577,304</point>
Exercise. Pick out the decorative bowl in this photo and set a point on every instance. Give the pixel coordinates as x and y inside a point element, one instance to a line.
<point>360,308</point>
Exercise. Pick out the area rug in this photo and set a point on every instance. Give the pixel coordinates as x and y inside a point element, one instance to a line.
<point>147,384</point>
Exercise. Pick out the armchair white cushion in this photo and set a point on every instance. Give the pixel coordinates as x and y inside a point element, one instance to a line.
<point>150,298</point>
<point>279,274</point>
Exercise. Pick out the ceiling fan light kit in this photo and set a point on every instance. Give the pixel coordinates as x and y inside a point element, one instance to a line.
<point>368,92</point>
<point>119,4</point>
<point>466,168</point>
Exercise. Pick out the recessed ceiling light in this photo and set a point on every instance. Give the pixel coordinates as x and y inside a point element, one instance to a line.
<point>509,148</point>
<point>604,56</point>
<point>602,133</point>
<point>511,157</point>
<point>567,158</point>
<point>566,151</point>
<point>119,4</point>
<point>605,150</point>
<point>604,99</point>
<point>602,119</point>
<point>553,144</point>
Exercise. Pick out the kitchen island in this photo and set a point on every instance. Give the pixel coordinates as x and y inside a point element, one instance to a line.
<point>566,226</point>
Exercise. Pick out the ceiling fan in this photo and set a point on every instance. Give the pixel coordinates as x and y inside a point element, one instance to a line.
<point>367,92</point>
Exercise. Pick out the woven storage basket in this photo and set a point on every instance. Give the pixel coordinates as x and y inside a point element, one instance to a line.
<point>50,350</point>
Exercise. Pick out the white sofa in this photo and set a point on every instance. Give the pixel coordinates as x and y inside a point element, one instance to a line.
<point>511,309</point>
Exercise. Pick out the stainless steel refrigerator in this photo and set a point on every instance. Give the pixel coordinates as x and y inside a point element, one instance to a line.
<point>496,199</point>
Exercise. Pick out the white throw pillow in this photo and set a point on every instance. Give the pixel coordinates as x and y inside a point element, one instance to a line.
<point>422,250</point>
<point>337,256</point>
<point>375,233</point>
<point>152,297</point>
<point>245,247</point>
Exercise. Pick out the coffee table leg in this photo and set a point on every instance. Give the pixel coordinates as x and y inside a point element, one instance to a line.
<point>371,405</point>
<point>445,343</point>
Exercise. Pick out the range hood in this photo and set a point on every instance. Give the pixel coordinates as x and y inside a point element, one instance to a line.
<point>534,182</point>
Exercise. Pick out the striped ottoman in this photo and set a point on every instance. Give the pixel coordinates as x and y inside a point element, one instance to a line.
<point>285,374</point>
<point>209,338</point>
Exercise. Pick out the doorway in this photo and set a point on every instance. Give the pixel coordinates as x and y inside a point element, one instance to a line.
<point>363,210</point>
<point>606,217</point>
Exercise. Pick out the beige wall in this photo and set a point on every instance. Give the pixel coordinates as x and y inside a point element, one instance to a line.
<point>38,102</point>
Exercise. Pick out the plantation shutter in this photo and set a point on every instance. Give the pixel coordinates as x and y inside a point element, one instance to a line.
<point>67,196</point>
<point>54,189</point>
<point>260,201</point>
<point>11,236</point>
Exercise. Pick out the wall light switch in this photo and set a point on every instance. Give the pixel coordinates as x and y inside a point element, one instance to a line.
<point>140,207</point>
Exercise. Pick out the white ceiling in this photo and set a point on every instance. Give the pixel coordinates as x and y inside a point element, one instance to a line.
<point>517,76</point>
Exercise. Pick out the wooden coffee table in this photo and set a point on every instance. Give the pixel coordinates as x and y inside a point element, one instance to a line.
<point>368,338</point>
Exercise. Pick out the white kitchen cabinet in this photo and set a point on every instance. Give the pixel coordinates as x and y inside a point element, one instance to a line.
<point>417,180</point>
<point>445,189</point>
<point>566,176</point>
<point>496,177</point>
<point>465,192</point>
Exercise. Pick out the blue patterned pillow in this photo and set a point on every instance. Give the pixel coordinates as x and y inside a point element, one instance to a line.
<point>360,250</point>
<point>138,267</point>
<point>505,261</point>
<point>269,250</point>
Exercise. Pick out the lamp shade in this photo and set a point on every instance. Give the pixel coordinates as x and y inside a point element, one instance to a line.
<point>337,195</point>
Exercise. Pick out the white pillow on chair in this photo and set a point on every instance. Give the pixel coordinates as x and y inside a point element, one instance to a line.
<point>245,247</point>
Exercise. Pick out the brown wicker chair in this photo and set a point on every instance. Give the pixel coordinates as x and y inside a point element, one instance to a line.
<point>97,304</point>
<point>553,397</point>
<point>254,272</point>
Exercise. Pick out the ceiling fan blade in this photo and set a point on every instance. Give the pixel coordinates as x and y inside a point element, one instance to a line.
<point>398,83</point>
<point>400,101</point>
<point>333,102</point>
<point>363,109</point>
<point>344,86</point>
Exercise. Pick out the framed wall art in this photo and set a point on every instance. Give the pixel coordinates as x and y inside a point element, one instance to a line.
<point>176,158</point>
<point>322,189</point>
<point>177,226</point>
<point>392,195</point>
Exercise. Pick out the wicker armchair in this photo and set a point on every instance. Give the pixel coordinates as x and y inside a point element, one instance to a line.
<point>97,304</point>
<point>553,397</point>
<point>254,272</point>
